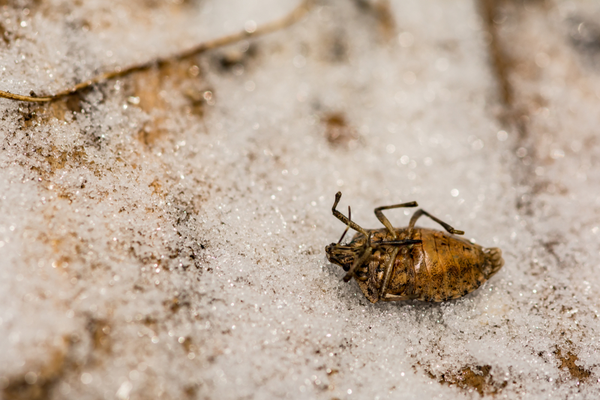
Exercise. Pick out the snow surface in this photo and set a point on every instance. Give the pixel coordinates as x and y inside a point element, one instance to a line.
<point>157,245</point>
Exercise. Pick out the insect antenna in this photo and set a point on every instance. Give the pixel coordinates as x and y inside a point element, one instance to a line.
<point>347,227</point>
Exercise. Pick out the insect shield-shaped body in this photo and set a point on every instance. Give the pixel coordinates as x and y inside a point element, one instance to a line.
<point>412,263</point>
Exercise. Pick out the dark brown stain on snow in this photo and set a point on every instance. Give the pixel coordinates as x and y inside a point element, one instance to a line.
<point>62,109</point>
<point>99,330</point>
<point>381,11</point>
<point>53,159</point>
<point>37,384</point>
<point>235,60</point>
<point>568,360</point>
<point>337,130</point>
<point>507,66</point>
<point>4,35</point>
<point>500,62</point>
<point>584,35</point>
<point>147,92</point>
<point>59,159</point>
<point>156,188</point>
<point>471,378</point>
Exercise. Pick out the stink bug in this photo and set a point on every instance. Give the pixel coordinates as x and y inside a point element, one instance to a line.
<point>411,263</point>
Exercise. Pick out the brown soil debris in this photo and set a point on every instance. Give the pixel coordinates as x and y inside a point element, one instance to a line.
<point>568,361</point>
<point>156,187</point>
<point>500,63</point>
<point>60,159</point>
<point>472,378</point>
<point>382,12</point>
<point>99,331</point>
<point>337,130</point>
<point>38,384</point>
<point>148,93</point>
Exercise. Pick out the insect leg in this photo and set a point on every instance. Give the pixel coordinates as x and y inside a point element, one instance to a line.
<point>385,221</point>
<point>420,212</point>
<point>398,243</point>
<point>343,218</point>
<point>359,261</point>
<point>388,272</point>
<point>390,264</point>
<point>347,227</point>
<point>393,297</point>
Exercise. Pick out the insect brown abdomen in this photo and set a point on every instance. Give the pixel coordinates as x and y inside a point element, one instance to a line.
<point>445,267</point>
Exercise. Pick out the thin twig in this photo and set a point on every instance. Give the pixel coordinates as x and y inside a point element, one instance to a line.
<point>269,27</point>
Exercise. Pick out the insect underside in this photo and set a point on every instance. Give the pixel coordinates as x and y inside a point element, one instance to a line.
<point>392,264</point>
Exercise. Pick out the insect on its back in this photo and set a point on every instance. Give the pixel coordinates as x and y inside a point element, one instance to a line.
<point>412,263</point>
